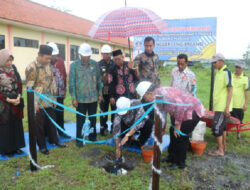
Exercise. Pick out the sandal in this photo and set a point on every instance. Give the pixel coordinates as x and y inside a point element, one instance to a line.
<point>215,153</point>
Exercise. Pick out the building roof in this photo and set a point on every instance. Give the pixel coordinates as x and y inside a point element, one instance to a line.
<point>28,12</point>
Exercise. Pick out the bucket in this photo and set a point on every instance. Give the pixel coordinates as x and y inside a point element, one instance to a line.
<point>198,147</point>
<point>147,153</point>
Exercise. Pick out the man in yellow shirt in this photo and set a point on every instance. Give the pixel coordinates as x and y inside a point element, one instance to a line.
<point>240,92</point>
<point>222,106</point>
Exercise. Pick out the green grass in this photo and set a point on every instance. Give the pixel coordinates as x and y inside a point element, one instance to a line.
<point>71,171</point>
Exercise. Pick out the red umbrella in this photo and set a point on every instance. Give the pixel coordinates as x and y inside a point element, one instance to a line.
<point>126,22</point>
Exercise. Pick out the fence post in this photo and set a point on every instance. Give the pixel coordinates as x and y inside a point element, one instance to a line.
<point>32,129</point>
<point>211,89</point>
<point>157,151</point>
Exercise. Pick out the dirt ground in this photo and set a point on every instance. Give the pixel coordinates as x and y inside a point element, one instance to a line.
<point>207,173</point>
<point>211,173</point>
<point>229,172</point>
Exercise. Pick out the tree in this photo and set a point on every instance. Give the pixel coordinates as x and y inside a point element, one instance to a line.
<point>246,56</point>
<point>56,5</point>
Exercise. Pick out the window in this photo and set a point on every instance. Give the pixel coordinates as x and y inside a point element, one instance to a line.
<point>61,48</point>
<point>74,52</point>
<point>22,42</point>
<point>95,50</point>
<point>2,42</point>
<point>127,54</point>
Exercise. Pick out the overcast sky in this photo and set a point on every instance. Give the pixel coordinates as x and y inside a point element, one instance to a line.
<point>233,16</point>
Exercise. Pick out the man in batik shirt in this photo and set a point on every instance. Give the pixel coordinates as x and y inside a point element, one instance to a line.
<point>148,63</point>
<point>125,119</point>
<point>183,118</point>
<point>122,80</point>
<point>58,67</point>
<point>105,64</point>
<point>182,77</point>
<point>40,77</point>
<point>85,87</point>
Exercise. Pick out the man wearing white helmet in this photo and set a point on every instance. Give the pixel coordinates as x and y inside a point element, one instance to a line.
<point>125,119</point>
<point>58,67</point>
<point>85,87</point>
<point>183,118</point>
<point>105,65</point>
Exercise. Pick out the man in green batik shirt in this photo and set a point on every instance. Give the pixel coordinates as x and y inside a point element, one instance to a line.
<point>85,87</point>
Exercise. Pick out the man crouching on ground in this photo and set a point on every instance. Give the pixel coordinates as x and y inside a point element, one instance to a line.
<point>125,119</point>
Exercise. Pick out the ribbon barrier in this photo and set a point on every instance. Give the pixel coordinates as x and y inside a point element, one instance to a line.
<point>45,99</point>
<point>96,142</point>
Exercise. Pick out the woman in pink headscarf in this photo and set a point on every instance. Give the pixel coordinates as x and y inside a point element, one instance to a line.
<point>11,106</point>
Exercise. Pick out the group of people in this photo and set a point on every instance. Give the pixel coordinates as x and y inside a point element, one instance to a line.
<point>119,84</point>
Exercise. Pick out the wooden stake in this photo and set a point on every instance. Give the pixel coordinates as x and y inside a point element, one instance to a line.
<point>32,129</point>
<point>157,151</point>
<point>211,89</point>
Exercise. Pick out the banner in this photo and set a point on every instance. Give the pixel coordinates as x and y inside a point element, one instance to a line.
<point>195,37</point>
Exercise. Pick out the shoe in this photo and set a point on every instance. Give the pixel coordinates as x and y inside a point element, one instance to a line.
<point>102,131</point>
<point>19,152</point>
<point>9,154</point>
<point>63,135</point>
<point>92,137</point>
<point>44,151</point>
<point>79,144</point>
<point>167,159</point>
<point>60,145</point>
<point>175,166</point>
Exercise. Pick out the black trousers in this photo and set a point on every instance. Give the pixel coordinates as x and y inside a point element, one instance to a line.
<point>45,127</point>
<point>178,147</point>
<point>60,115</point>
<point>85,108</point>
<point>238,113</point>
<point>145,131</point>
<point>104,105</point>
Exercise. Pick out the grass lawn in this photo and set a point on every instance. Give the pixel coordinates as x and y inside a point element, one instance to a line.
<point>72,171</point>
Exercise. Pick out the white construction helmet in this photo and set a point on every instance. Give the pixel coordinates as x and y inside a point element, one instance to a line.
<point>85,50</point>
<point>54,47</point>
<point>142,88</point>
<point>106,49</point>
<point>122,103</point>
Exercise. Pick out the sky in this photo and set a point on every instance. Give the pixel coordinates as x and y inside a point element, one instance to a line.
<point>233,17</point>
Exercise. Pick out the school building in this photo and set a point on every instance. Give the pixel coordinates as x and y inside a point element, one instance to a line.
<point>24,25</point>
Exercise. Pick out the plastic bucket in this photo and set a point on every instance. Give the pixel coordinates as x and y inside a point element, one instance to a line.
<point>198,147</point>
<point>147,153</point>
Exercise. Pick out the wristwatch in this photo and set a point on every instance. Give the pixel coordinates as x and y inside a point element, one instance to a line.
<point>127,135</point>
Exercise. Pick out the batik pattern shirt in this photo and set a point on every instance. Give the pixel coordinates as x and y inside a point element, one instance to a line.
<point>148,68</point>
<point>104,68</point>
<point>180,112</point>
<point>41,79</point>
<point>85,83</point>
<point>129,119</point>
<point>184,80</point>
<point>60,76</point>
<point>122,82</point>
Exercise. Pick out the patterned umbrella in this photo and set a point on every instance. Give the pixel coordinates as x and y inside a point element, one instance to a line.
<point>126,22</point>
